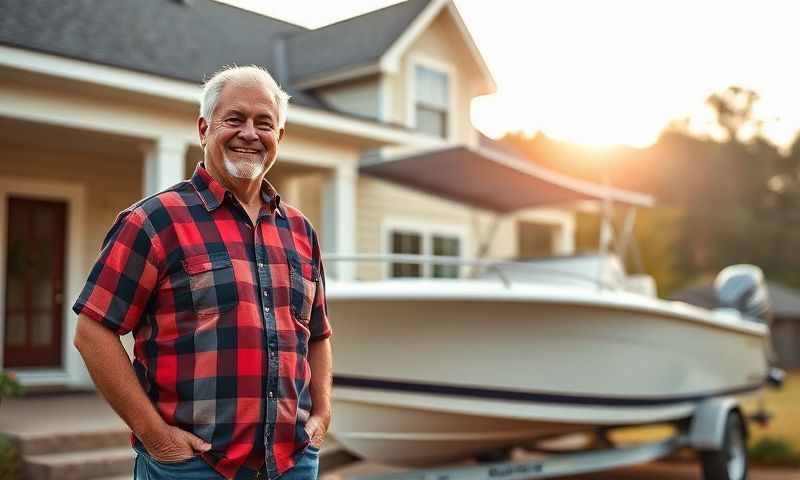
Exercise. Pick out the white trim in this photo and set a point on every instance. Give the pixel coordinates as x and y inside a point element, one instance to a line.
<point>43,377</point>
<point>443,67</point>
<point>390,61</point>
<point>75,196</point>
<point>60,67</point>
<point>426,229</point>
<point>327,78</point>
<point>386,105</point>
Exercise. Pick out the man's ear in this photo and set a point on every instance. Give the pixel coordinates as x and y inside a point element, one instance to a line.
<point>281,132</point>
<point>202,130</point>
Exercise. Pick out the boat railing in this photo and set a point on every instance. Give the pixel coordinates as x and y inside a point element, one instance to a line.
<point>498,267</point>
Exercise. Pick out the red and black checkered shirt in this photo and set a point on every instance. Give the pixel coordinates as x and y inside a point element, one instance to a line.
<point>222,312</point>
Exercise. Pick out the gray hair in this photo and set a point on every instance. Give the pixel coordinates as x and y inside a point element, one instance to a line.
<point>213,87</point>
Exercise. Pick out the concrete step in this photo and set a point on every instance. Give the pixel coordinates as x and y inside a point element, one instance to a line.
<point>64,442</point>
<point>79,465</point>
<point>333,456</point>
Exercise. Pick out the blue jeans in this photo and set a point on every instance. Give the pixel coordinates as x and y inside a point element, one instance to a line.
<point>195,468</point>
<point>307,468</point>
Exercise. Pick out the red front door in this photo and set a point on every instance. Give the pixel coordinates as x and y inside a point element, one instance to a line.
<point>34,283</point>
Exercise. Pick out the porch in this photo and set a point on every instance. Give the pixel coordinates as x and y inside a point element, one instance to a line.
<point>61,187</point>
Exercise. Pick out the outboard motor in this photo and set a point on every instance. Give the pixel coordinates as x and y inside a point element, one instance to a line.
<point>742,287</point>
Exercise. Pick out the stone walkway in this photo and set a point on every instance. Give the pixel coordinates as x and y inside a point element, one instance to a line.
<point>70,412</point>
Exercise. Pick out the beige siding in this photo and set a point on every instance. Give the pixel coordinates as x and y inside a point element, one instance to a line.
<point>361,97</point>
<point>442,43</point>
<point>380,202</point>
<point>111,184</point>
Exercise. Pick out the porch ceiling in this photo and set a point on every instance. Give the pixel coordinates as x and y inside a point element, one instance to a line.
<point>63,139</point>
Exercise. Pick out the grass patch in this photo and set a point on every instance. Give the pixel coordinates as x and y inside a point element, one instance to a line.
<point>775,444</point>
<point>784,405</point>
<point>774,452</point>
<point>10,462</point>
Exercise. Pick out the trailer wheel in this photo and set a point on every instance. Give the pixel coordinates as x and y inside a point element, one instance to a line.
<point>730,462</point>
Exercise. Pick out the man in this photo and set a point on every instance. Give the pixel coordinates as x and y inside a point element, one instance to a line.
<point>222,285</point>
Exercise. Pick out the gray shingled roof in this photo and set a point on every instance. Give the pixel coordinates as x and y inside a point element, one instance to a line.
<point>350,43</point>
<point>179,40</point>
<point>191,39</point>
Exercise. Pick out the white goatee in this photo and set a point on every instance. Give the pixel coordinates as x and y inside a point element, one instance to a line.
<point>244,169</point>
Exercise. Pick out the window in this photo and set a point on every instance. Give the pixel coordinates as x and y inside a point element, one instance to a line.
<point>445,246</point>
<point>406,243</point>
<point>423,240</point>
<point>432,104</point>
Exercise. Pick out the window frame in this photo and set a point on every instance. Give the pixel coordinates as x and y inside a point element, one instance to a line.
<point>439,66</point>
<point>426,230</point>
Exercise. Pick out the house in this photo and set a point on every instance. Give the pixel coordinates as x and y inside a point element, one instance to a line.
<point>98,107</point>
<point>785,323</point>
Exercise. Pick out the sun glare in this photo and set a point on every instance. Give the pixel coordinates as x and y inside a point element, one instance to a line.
<point>618,72</point>
<point>612,72</point>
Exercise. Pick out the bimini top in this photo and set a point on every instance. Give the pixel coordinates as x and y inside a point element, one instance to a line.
<point>492,179</point>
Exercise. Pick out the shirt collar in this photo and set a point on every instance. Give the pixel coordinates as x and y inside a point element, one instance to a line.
<point>212,193</point>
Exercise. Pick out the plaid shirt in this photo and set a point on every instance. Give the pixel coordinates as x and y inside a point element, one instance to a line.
<point>222,313</point>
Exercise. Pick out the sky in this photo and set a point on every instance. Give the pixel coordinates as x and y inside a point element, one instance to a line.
<point>613,72</point>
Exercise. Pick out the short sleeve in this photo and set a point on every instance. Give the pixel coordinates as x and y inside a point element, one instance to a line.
<point>319,325</point>
<point>122,280</point>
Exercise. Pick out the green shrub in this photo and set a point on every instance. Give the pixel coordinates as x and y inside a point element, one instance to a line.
<point>774,451</point>
<point>10,463</point>
<point>9,385</point>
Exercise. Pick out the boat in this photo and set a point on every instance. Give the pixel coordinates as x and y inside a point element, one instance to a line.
<point>429,371</point>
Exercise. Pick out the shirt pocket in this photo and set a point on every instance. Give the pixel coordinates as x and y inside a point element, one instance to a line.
<point>304,276</point>
<point>212,283</point>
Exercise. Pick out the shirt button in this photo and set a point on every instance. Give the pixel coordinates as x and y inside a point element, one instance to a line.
<point>272,354</point>
<point>266,309</point>
<point>270,394</point>
<point>266,293</point>
<point>260,266</point>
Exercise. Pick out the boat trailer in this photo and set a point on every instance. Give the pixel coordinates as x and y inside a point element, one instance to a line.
<point>717,432</point>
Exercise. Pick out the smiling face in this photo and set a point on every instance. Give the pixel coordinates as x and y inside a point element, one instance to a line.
<point>241,138</point>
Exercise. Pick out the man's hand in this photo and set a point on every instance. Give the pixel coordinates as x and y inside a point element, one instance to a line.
<point>317,428</point>
<point>175,445</point>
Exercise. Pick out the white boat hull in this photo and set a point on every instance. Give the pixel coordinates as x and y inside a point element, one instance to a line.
<point>433,372</point>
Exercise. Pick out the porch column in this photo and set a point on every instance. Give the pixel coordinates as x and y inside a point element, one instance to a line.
<point>339,218</point>
<point>564,237</point>
<point>164,164</point>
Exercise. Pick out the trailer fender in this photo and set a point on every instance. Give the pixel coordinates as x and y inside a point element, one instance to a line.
<point>707,427</point>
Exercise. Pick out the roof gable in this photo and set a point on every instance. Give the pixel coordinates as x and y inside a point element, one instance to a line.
<point>343,47</point>
<point>371,43</point>
<point>190,40</point>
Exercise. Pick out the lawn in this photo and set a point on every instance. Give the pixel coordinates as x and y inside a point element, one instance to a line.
<point>783,404</point>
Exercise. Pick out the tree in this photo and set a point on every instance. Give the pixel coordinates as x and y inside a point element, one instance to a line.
<point>734,110</point>
<point>719,202</point>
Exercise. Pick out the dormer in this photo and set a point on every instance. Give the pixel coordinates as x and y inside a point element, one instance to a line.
<point>413,64</point>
